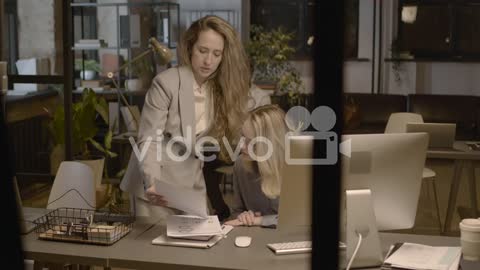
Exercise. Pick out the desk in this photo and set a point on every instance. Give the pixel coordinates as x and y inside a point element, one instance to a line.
<point>136,251</point>
<point>462,157</point>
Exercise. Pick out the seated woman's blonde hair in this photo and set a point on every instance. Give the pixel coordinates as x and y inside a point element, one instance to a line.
<point>269,122</point>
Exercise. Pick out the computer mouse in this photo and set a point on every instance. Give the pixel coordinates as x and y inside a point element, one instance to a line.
<point>243,241</point>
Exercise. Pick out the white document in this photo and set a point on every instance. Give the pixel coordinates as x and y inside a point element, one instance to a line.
<point>416,256</point>
<point>167,241</point>
<point>191,226</point>
<point>32,66</point>
<point>190,201</point>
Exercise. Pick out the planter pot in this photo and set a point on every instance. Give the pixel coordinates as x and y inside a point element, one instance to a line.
<point>286,102</point>
<point>266,85</point>
<point>133,85</point>
<point>87,74</point>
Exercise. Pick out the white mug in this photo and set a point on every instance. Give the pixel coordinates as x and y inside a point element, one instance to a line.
<point>470,239</point>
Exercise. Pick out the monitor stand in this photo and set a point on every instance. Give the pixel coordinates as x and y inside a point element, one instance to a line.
<point>361,219</point>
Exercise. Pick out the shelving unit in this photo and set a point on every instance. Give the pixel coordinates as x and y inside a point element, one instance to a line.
<point>126,26</point>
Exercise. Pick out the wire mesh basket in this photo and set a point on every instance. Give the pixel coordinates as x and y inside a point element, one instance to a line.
<point>83,226</point>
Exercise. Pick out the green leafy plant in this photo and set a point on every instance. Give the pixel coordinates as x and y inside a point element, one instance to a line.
<point>292,84</point>
<point>84,126</point>
<point>269,52</point>
<point>88,64</point>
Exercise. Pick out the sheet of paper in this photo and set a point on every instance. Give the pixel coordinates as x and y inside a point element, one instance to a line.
<point>415,256</point>
<point>188,226</point>
<point>190,201</point>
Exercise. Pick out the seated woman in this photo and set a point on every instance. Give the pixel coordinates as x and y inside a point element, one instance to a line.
<point>256,174</point>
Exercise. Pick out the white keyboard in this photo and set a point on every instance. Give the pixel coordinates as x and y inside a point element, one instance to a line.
<point>296,247</point>
<point>291,247</point>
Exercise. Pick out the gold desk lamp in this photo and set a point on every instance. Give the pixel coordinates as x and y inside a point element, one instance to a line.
<point>163,54</point>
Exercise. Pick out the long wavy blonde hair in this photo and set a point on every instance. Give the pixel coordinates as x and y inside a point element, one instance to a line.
<point>230,83</point>
<point>269,122</point>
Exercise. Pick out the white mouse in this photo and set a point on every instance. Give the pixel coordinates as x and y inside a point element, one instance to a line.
<point>243,241</point>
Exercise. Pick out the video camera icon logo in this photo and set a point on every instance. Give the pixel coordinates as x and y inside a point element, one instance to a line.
<point>323,119</point>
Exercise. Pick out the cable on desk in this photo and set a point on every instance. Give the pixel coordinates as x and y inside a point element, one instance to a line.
<point>78,192</point>
<point>355,252</point>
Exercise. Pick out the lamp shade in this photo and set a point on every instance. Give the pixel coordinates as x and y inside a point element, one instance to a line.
<point>162,53</point>
<point>409,14</point>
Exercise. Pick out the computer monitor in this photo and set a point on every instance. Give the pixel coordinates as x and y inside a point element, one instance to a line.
<point>381,179</point>
<point>391,166</point>
<point>441,135</point>
<point>295,201</point>
<point>382,172</point>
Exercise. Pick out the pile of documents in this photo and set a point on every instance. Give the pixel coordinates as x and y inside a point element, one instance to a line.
<point>422,257</point>
<point>192,231</point>
<point>193,227</point>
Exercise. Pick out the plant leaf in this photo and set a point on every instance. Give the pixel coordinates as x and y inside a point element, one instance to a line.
<point>121,173</point>
<point>108,140</point>
<point>102,108</point>
<point>111,154</point>
<point>97,146</point>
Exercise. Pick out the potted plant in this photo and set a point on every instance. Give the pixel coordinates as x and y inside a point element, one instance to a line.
<point>88,68</point>
<point>270,54</point>
<point>84,130</point>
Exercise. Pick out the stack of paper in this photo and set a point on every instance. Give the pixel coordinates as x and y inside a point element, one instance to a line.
<point>193,227</point>
<point>422,257</point>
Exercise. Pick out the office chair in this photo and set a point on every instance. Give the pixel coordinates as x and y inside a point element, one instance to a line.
<point>397,123</point>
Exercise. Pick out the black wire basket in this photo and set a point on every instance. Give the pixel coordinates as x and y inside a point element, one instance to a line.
<point>83,226</point>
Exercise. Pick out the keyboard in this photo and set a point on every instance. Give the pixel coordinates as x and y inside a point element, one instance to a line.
<point>291,247</point>
<point>295,247</point>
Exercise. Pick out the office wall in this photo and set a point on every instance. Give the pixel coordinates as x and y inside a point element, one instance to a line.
<point>36,29</point>
<point>425,77</point>
<point>206,5</point>
<point>412,77</point>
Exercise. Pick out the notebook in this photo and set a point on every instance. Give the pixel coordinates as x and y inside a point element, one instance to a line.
<point>442,135</point>
<point>416,256</point>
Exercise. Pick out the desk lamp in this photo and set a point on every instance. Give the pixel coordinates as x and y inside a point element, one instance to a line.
<point>163,55</point>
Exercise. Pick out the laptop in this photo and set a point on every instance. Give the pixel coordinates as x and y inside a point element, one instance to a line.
<point>442,135</point>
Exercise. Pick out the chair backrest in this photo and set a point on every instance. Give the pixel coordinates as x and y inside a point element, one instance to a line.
<point>397,122</point>
<point>74,186</point>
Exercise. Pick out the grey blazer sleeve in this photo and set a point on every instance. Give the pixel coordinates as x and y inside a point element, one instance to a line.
<point>154,117</point>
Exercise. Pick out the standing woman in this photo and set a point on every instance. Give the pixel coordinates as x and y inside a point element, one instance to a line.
<point>205,96</point>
